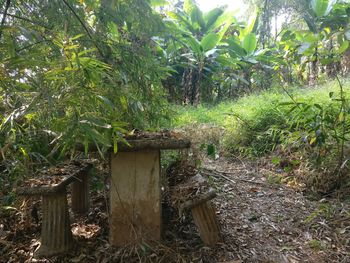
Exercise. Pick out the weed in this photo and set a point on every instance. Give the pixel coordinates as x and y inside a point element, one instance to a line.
<point>324,210</point>
<point>315,244</point>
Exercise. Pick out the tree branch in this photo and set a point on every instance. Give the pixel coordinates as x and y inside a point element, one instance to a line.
<point>31,45</point>
<point>30,21</point>
<point>8,2</point>
<point>83,25</point>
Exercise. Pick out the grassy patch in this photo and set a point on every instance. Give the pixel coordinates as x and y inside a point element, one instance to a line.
<point>315,244</point>
<point>255,123</point>
<point>249,107</point>
<point>310,121</point>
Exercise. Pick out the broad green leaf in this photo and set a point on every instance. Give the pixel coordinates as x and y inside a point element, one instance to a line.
<point>236,47</point>
<point>193,44</point>
<point>310,37</point>
<point>306,36</point>
<point>224,29</point>
<point>188,6</point>
<point>322,7</point>
<point>225,61</point>
<point>197,17</point>
<point>194,12</point>
<point>250,27</point>
<point>343,47</point>
<point>156,3</point>
<point>270,59</point>
<point>224,19</point>
<point>124,102</point>
<point>186,25</point>
<point>209,41</point>
<point>249,43</point>
<point>211,17</point>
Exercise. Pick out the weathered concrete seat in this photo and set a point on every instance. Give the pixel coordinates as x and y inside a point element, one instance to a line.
<point>204,217</point>
<point>56,235</point>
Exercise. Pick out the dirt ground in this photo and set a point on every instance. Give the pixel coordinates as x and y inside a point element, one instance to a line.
<point>261,221</point>
<point>267,222</point>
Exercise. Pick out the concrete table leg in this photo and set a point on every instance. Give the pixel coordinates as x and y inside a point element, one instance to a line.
<point>81,194</point>
<point>56,235</point>
<point>135,197</point>
<point>205,219</point>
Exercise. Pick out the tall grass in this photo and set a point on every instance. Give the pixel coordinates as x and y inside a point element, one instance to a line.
<point>226,114</point>
<point>256,123</point>
<point>314,122</point>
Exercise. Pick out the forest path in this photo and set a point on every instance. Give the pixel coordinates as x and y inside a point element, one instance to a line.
<point>266,222</point>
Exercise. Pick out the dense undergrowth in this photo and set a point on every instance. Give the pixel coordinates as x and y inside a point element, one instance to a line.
<point>307,125</point>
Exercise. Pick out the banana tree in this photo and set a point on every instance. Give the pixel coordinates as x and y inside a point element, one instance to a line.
<point>243,55</point>
<point>326,39</point>
<point>196,36</point>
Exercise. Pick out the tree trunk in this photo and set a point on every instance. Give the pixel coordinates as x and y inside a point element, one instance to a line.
<point>186,86</point>
<point>220,93</point>
<point>265,28</point>
<point>314,70</point>
<point>345,63</point>
<point>332,67</point>
<point>197,87</point>
<point>246,75</point>
<point>56,235</point>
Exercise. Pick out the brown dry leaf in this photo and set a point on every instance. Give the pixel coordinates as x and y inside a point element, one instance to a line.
<point>254,189</point>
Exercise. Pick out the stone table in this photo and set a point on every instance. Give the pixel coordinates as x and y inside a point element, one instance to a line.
<point>135,193</point>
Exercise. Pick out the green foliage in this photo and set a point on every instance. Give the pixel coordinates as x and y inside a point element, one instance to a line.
<point>249,43</point>
<point>76,72</point>
<point>256,123</point>
<point>322,7</point>
<point>312,124</point>
<point>209,148</point>
<point>193,45</point>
